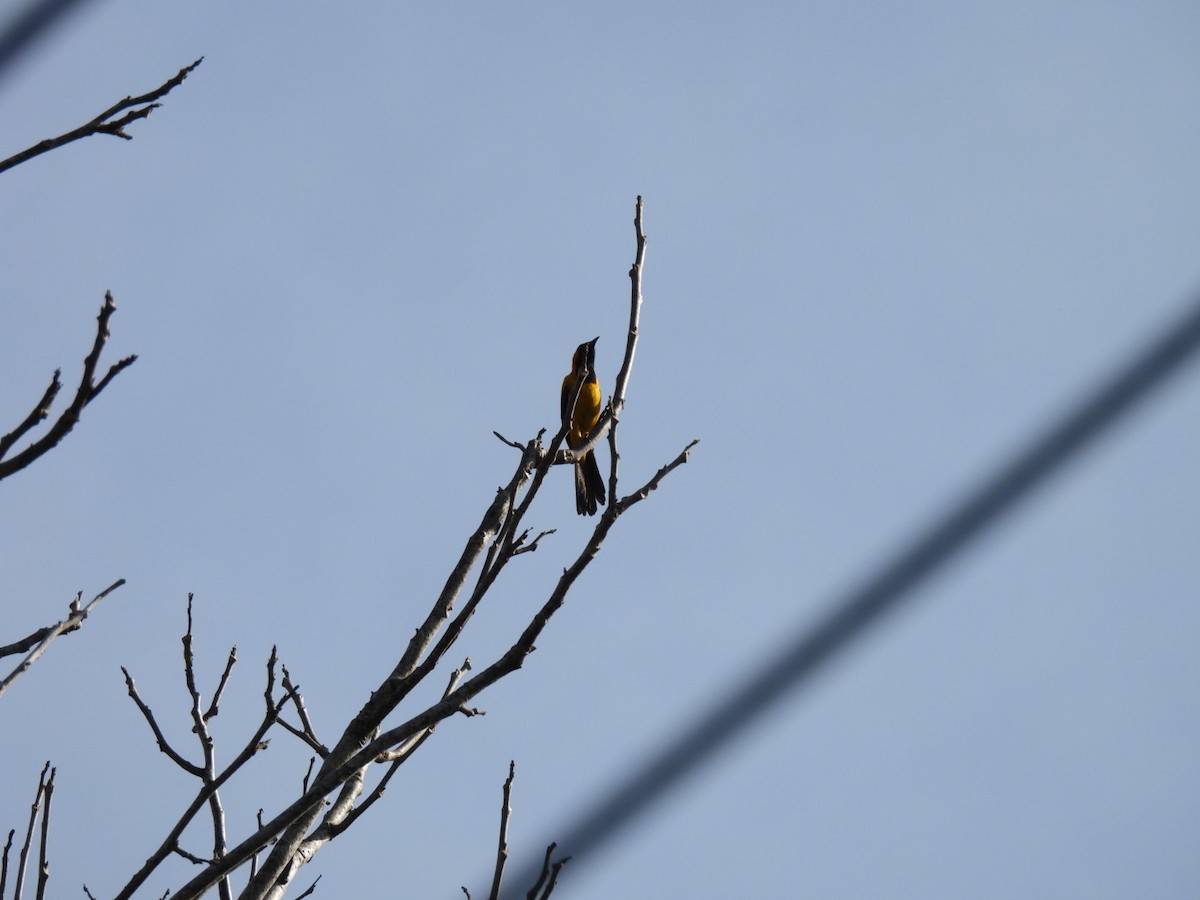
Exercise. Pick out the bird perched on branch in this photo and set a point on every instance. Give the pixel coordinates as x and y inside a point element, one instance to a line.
<point>589,486</point>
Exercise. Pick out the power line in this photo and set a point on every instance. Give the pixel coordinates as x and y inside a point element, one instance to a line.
<point>27,25</point>
<point>882,591</point>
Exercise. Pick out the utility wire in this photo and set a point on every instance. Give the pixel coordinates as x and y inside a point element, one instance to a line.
<point>26,25</point>
<point>865,604</point>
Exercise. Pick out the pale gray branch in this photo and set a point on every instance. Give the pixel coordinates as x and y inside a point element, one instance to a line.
<point>76,616</point>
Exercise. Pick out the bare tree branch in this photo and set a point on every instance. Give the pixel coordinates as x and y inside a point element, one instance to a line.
<point>87,391</point>
<point>644,491</point>
<point>40,639</point>
<point>548,879</point>
<point>22,645</point>
<point>343,813</point>
<point>519,545</point>
<point>159,738</point>
<point>404,751</point>
<point>36,415</point>
<point>192,857</point>
<point>111,121</point>
<point>514,444</point>
<point>4,860</point>
<point>213,707</point>
<point>207,746</point>
<point>338,768</point>
<point>44,839</point>
<point>635,311</point>
<point>34,808</point>
<point>305,732</point>
<point>212,782</point>
<point>621,385</point>
<point>311,889</point>
<point>298,831</point>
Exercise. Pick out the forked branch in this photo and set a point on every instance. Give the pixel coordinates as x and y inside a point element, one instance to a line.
<point>89,389</point>
<point>547,880</point>
<point>39,807</point>
<point>296,832</point>
<point>206,772</point>
<point>112,121</point>
<point>39,641</point>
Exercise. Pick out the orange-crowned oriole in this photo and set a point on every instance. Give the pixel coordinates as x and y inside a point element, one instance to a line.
<point>589,486</point>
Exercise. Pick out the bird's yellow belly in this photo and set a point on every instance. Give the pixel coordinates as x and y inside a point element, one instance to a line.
<point>587,413</point>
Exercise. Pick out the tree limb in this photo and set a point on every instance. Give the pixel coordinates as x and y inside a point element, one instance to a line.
<point>108,122</point>
<point>296,832</point>
<point>211,784</point>
<point>200,719</point>
<point>159,738</point>
<point>40,639</point>
<point>87,391</point>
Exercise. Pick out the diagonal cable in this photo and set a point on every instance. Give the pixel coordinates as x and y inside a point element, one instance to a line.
<point>884,589</point>
<point>28,24</point>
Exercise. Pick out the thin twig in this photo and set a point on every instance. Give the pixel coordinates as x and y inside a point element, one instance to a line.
<point>36,415</point>
<point>644,491</point>
<point>554,873</point>
<point>134,108</point>
<point>514,444</point>
<point>208,773</point>
<point>502,847</point>
<point>191,857</point>
<point>159,738</point>
<point>4,860</point>
<point>44,840</point>
<point>545,873</point>
<point>311,888</point>
<point>254,859</point>
<point>519,545</point>
<point>635,310</point>
<point>306,733</point>
<point>213,707</point>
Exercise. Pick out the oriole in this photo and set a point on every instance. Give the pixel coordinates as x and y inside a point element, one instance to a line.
<point>589,486</point>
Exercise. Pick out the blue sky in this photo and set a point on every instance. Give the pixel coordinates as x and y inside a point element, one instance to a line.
<point>886,242</point>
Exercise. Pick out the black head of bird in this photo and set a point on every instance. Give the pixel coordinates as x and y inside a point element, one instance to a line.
<point>585,354</point>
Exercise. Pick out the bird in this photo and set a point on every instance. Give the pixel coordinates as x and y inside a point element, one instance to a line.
<point>589,485</point>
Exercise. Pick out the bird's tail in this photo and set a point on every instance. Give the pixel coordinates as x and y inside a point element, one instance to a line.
<point>589,486</point>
